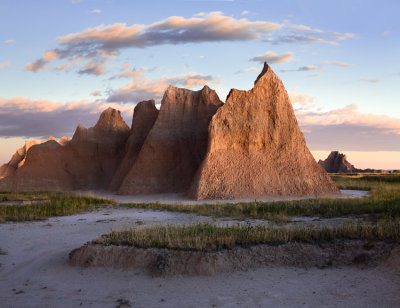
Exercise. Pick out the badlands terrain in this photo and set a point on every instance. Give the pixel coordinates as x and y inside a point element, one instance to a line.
<point>198,204</point>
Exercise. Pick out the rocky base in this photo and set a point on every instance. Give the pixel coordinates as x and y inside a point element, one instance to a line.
<point>173,262</point>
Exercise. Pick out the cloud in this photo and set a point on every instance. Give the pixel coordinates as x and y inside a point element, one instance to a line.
<point>271,57</point>
<point>96,93</point>
<point>348,128</point>
<point>342,64</point>
<point>22,117</point>
<point>106,41</point>
<point>337,63</point>
<point>386,33</point>
<point>4,65</point>
<point>245,13</point>
<point>306,69</point>
<point>304,34</point>
<point>93,68</point>
<point>309,68</point>
<point>248,70</point>
<point>142,88</point>
<point>9,41</point>
<point>95,11</point>
<point>370,80</point>
<point>301,99</point>
<point>40,64</point>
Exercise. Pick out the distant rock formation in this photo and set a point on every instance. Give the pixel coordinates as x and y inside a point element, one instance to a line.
<point>176,145</point>
<point>249,147</point>
<point>257,149</point>
<point>88,161</point>
<point>337,162</point>
<point>144,116</point>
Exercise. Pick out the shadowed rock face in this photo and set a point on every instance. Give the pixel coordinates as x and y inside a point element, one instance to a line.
<point>88,161</point>
<point>257,149</point>
<point>93,154</point>
<point>144,116</point>
<point>337,163</point>
<point>176,145</point>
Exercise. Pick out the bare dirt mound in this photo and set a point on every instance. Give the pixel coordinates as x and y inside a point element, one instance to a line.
<point>176,145</point>
<point>178,262</point>
<point>257,149</point>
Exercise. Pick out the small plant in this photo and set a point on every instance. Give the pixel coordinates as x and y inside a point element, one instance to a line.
<point>2,252</point>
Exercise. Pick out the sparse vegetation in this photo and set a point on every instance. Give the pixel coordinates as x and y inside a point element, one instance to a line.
<point>384,200</point>
<point>2,252</point>
<point>211,237</point>
<point>55,204</point>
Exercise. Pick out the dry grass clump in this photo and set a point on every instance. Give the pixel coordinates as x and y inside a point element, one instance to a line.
<point>211,237</point>
<point>55,204</point>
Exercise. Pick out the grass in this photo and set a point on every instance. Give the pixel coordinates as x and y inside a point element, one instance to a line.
<point>56,204</point>
<point>206,237</point>
<point>384,200</point>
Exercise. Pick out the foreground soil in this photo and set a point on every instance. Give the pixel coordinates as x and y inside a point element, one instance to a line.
<point>35,273</point>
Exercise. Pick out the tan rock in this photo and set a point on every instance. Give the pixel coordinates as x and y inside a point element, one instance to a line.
<point>88,161</point>
<point>144,116</point>
<point>257,149</point>
<point>176,145</point>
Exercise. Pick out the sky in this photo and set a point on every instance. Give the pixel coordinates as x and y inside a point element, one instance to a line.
<point>64,61</point>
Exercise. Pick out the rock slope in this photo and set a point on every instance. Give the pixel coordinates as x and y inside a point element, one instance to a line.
<point>88,161</point>
<point>144,116</point>
<point>256,148</point>
<point>176,145</point>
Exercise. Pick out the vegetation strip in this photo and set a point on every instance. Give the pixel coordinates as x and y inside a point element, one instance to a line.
<point>57,204</point>
<point>211,237</point>
<point>384,199</point>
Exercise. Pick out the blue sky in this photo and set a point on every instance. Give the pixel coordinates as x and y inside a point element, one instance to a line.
<point>62,61</point>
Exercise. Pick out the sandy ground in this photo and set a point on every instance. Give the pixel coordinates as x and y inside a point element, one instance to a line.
<point>35,273</point>
<point>182,199</point>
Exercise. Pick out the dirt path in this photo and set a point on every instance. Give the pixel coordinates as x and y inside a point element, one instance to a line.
<point>35,273</point>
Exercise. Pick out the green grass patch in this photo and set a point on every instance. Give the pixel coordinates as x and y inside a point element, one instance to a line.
<point>384,200</point>
<point>55,204</point>
<point>206,237</point>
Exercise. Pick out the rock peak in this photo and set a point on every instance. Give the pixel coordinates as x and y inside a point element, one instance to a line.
<point>263,72</point>
<point>110,119</point>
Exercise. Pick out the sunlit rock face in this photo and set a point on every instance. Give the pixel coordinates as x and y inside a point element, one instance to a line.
<point>257,149</point>
<point>176,145</point>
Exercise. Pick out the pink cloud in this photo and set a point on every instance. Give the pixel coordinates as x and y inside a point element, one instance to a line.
<point>272,57</point>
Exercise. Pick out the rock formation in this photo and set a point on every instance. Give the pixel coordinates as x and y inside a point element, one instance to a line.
<point>144,116</point>
<point>257,149</point>
<point>249,147</point>
<point>337,162</point>
<point>88,161</point>
<point>176,145</point>
<point>94,154</point>
<point>16,161</point>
